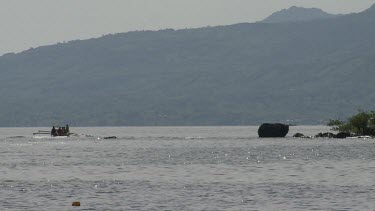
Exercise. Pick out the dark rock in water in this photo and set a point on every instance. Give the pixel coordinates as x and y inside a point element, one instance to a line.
<point>110,137</point>
<point>331,135</point>
<point>268,130</point>
<point>298,135</point>
<point>343,135</point>
<point>325,135</point>
<point>76,204</point>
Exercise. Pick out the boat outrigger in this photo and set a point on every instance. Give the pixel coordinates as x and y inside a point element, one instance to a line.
<point>60,131</point>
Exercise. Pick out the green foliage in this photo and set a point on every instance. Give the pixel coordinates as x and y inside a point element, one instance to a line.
<point>333,122</point>
<point>362,123</point>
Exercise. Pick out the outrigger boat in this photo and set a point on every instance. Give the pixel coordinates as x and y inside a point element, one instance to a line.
<point>59,132</point>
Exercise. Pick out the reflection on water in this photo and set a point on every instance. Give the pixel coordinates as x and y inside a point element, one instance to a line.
<point>184,168</point>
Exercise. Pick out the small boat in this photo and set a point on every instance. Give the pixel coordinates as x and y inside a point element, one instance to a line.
<point>59,132</point>
<point>42,132</point>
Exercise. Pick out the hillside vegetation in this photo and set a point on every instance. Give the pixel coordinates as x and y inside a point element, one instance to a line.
<point>362,123</point>
<point>242,74</point>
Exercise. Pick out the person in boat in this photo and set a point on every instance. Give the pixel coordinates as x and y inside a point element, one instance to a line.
<point>59,131</point>
<point>63,131</point>
<point>67,129</point>
<point>53,131</point>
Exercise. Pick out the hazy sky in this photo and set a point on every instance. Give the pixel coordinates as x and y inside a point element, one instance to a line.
<point>31,23</point>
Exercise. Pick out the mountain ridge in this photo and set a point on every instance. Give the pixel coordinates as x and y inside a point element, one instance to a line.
<point>242,74</point>
<point>295,14</point>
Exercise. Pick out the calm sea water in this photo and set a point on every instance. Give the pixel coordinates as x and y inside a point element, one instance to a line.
<point>184,168</point>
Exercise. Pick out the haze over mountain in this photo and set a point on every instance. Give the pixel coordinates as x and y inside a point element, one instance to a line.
<point>305,71</point>
<point>294,14</point>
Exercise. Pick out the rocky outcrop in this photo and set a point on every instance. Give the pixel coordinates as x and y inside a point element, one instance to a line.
<point>343,135</point>
<point>110,137</point>
<point>298,135</point>
<point>325,135</point>
<point>274,130</point>
<point>340,135</point>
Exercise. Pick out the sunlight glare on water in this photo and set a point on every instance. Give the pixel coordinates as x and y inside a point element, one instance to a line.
<point>185,168</point>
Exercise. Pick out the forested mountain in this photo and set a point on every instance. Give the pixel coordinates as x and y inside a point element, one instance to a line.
<point>294,14</point>
<point>240,74</point>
